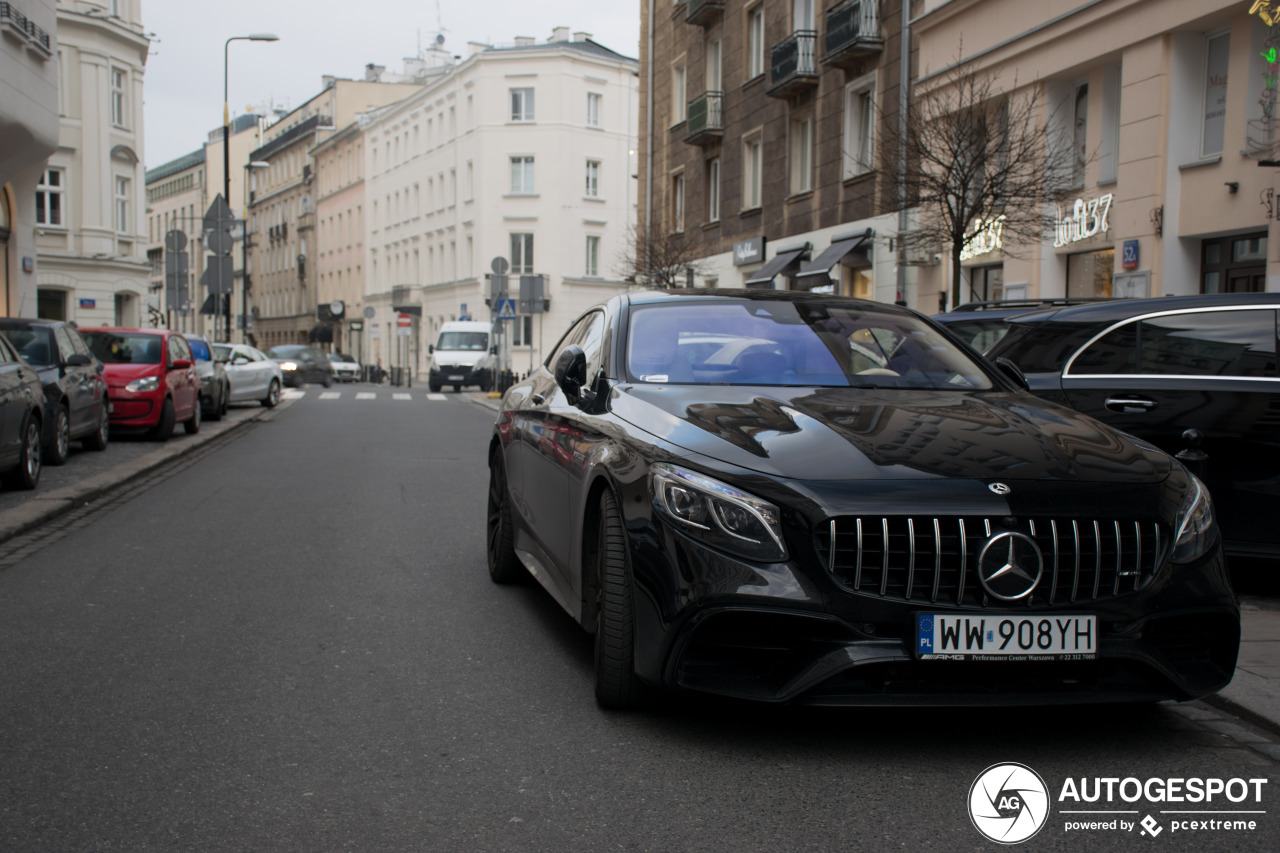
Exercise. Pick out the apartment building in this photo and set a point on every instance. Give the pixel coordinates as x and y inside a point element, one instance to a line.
<point>1169,110</point>
<point>177,198</point>
<point>282,209</point>
<point>520,154</point>
<point>90,232</point>
<point>340,255</point>
<point>29,107</point>
<point>759,150</point>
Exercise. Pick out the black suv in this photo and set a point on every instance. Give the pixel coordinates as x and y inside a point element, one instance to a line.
<point>75,392</point>
<point>1156,368</point>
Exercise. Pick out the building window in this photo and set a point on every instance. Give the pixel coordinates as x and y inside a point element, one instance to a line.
<point>593,179</point>
<point>1108,149</point>
<point>713,190</point>
<point>522,254</point>
<point>49,198</point>
<point>521,175</point>
<point>713,66</point>
<point>860,118</point>
<point>522,104</point>
<point>801,155</point>
<point>594,100</point>
<point>802,15</point>
<point>752,172</point>
<point>677,203</point>
<point>522,331</point>
<point>1080,147</point>
<point>1216,58</point>
<point>118,80</point>
<point>679,95</point>
<point>122,205</point>
<point>755,42</point>
<point>593,256</point>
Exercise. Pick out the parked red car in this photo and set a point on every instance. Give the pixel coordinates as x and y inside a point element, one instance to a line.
<point>151,379</point>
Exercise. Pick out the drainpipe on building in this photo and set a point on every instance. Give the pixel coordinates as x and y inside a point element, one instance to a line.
<point>904,80</point>
<point>648,151</point>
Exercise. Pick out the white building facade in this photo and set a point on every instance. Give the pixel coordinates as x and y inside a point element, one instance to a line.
<point>524,153</point>
<point>93,265</point>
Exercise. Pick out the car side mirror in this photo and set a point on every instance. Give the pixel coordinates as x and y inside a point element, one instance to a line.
<point>431,348</point>
<point>180,364</point>
<point>240,359</point>
<point>77,359</point>
<point>571,372</point>
<point>1013,373</point>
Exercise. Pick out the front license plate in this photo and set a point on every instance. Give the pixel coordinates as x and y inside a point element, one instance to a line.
<point>456,378</point>
<point>983,636</point>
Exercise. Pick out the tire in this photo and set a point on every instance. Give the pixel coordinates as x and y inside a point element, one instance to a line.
<point>164,428</point>
<point>26,474</point>
<point>192,424</point>
<point>433,386</point>
<point>273,395</point>
<point>226,401</point>
<point>101,435</point>
<point>56,451</point>
<point>215,410</point>
<point>457,389</point>
<point>504,565</point>
<point>486,382</point>
<point>617,686</point>
<point>326,381</point>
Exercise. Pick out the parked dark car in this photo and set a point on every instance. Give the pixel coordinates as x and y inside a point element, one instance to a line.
<point>981,324</point>
<point>75,391</point>
<point>151,379</point>
<point>215,385</point>
<point>21,408</point>
<point>301,364</point>
<point>852,510</point>
<point>1156,368</point>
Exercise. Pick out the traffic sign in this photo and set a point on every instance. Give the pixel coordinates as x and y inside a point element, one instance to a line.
<point>175,241</point>
<point>404,321</point>
<point>506,309</point>
<point>218,215</point>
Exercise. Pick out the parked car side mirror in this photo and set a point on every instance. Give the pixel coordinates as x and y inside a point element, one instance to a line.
<point>180,364</point>
<point>77,359</point>
<point>571,372</point>
<point>1013,373</point>
<point>240,359</point>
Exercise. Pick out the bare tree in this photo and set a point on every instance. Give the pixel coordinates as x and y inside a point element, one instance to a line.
<point>660,261</point>
<point>977,154</point>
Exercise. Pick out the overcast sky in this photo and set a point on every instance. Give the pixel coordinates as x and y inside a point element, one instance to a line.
<point>317,37</point>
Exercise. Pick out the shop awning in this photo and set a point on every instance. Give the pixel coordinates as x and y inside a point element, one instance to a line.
<point>321,335</point>
<point>818,270</point>
<point>785,258</point>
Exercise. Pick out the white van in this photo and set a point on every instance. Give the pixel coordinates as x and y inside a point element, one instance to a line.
<point>462,355</point>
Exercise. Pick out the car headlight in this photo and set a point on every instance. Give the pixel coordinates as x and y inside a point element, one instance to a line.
<point>1194,524</point>
<point>288,365</point>
<point>146,383</point>
<point>718,514</point>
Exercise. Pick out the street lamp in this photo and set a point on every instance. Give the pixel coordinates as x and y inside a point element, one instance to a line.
<point>226,133</point>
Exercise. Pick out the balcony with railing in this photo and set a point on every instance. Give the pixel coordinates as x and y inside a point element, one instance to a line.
<point>704,12</point>
<point>853,32</point>
<point>795,66</point>
<point>705,122</point>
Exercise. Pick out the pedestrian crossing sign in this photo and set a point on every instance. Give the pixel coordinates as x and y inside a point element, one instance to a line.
<point>506,309</point>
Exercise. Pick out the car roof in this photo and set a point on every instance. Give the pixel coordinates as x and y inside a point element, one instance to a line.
<point>1113,311</point>
<point>658,297</point>
<point>126,330</point>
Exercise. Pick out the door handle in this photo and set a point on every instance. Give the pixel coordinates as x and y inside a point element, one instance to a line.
<point>1130,405</point>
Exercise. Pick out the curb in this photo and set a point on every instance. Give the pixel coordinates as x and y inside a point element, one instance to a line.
<point>46,506</point>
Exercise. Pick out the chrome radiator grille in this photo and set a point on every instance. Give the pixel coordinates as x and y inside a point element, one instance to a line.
<point>935,559</point>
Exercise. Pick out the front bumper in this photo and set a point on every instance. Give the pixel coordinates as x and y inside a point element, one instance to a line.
<point>457,374</point>
<point>129,409</point>
<point>789,633</point>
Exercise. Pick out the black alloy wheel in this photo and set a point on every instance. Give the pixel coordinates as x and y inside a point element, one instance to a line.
<point>59,449</point>
<point>192,424</point>
<point>617,686</point>
<point>26,474</point>
<point>504,565</point>
<point>164,427</point>
<point>273,395</point>
<point>100,436</point>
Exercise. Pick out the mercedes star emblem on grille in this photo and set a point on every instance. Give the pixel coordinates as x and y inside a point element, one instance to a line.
<point>1000,488</point>
<point>1010,565</point>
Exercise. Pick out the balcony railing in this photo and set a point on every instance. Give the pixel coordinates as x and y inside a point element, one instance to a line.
<point>794,64</point>
<point>853,31</point>
<point>706,118</point>
<point>703,12</point>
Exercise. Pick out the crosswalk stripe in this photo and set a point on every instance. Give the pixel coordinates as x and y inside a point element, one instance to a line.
<point>366,395</point>
<point>402,396</point>
<point>436,397</point>
<point>330,395</point>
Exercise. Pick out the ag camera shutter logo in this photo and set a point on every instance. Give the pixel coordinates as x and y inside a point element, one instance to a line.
<point>1009,803</point>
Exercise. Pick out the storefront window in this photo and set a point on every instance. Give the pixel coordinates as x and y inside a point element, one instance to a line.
<point>986,284</point>
<point>1089,273</point>
<point>1234,264</point>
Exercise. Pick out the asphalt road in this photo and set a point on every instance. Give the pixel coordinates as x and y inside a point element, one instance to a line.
<point>293,644</point>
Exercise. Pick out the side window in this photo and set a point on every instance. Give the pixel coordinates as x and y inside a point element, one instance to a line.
<point>1115,353</point>
<point>178,348</point>
<point>65,348</point>
<point>5,356</point>
<point>571,337</point>
<point>593,344</point>
<point>77,342</point>
<point>1215,343</point>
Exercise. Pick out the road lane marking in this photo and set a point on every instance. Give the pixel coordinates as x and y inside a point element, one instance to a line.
<point>330,395</point>
<point>366,395</point>
<point>436,397</point>
<point>402,396</point>
<point>292,394</point>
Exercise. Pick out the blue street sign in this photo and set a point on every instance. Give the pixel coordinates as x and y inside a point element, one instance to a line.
<point>506,309</point>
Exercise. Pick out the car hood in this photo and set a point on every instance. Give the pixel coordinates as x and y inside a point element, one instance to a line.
<point>123,374</point>
<point>846,433</point>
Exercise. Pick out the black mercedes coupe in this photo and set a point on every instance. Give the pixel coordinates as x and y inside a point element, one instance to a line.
<point>789,497</point>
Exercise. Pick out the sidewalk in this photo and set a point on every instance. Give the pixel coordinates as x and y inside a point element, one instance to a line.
<point>1254,693</point>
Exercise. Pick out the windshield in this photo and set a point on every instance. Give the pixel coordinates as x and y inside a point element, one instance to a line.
<point>339,357</point>
<point>116,348</point>
<point>472,341</point>
<point>290,351</point>
<point>35,345</point>
<point>199,349</point>
<point>796,344</point>
<point>223,351</point>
